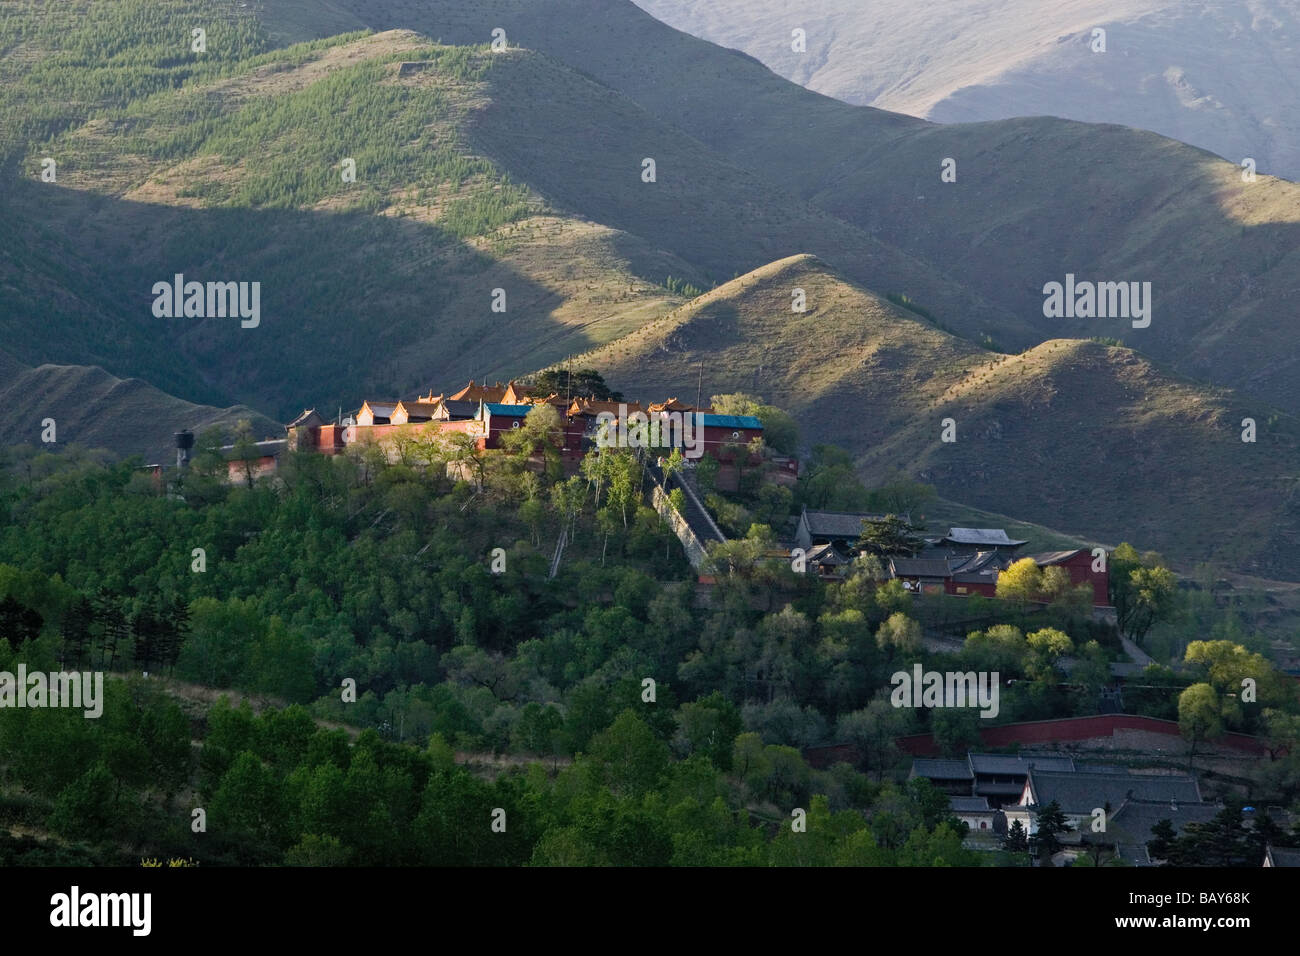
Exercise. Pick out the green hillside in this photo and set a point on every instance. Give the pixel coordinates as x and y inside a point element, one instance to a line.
<point>380,285</point>
<point>474,172</point>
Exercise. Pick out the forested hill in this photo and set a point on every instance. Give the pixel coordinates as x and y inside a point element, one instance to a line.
<point>358,571</point>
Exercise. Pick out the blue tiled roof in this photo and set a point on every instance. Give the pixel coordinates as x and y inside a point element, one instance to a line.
<point>509,411</point>
<point>732,421</point>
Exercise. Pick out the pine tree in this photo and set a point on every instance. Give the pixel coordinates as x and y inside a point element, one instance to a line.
<point>890,536</point>
<point>1051,825</point>
<point>1016,840</point>
<point>148,636</point>
<point>18,622</point>
<point>1162,844</point>
<point>176,626</point>
<point>113,627</point>
<point>1223,841</point>
<point>77,620</point>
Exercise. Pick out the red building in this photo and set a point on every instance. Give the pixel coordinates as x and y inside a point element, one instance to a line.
<point>723,430</point>
<point>1079,563</point>
<point>968,579</point>
<point>499,418</point>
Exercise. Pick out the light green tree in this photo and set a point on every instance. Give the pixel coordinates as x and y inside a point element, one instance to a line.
<point>1199,716</point>
<point>899,635</point>
<point>1022,582</point>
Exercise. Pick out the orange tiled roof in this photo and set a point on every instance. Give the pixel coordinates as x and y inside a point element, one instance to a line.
<point>418,409</point>
<point>516,394</point>
<point>587,406</point>
<point>552,399</point>
<point>673,405</point>
<point>480,393</point>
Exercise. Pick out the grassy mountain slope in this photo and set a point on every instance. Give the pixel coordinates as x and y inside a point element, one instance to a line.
<point>94,409</point>
<point>1088,439</point>
<point>386,283</point>
<point>1035,198</point>
<point>850,348</point>
<point>474,172</point>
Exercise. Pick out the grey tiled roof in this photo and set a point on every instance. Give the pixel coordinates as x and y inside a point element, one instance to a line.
<point>1131,823</point>
<point>979,577</point>
<point>837,524</point>
<point>1082,792</point>
<point>979,561</point>
<point>826,554</point>
<point>990,536</point>
<point>1000,789</point>
<point>264,449</point>
<point>1002,764</point>
<point>1053,557</point>
<point>1090,767</point>
<point>969,804</point>
<point>918,568</point>
<point>941,769</point>
<point>1135,854</point>
<point>1281,856</point>
<point>458,408</point>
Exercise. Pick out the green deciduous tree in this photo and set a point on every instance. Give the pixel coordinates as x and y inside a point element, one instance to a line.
<point>1022,582</point>
<point>873,730</point>
<point>1200,716</point>
<point>1141,589</point>
<point>710,726</point>
<point>85,808</point>
<point>899,635</point>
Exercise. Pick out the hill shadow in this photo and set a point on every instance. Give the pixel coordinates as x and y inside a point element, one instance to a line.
<point>352,304</point>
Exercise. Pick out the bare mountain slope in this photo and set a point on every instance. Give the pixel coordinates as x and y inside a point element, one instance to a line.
<point>1219,75</point>
<point>94,409</point>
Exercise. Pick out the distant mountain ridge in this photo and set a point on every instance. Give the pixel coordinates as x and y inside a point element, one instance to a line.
<point>94,409</point>
<point>1203,72</point>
